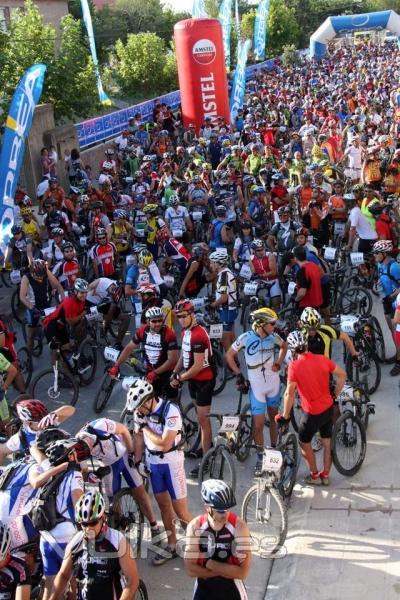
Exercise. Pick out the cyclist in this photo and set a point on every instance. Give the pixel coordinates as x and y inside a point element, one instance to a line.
<point>31,228</point>
<point>195,366</point>
<point>177,217</point>
<point>120,232</point>
<point>7,349</point>
<point>309,374</point>
<point>105,294</point>
<point>158,427</point>
<point>67,270</point>
<point>198,272</point>
<point>8,373</point>
<point>111,444</point>
<point>113,576</point>
<point>160,351</point>
<point>149,299</point>
<point>220,232</point>
<point>212,546</point>
<point>53,252</point>
<point>264,267</point>
<point>19,249</point>
<point>35,294</point>
<point>281,238</point>
<point>264,353</point>
<point>319,337</point>
<point>154,223</point>
<point>97,219</point>
<point>104,255</point>
<point>242,245</point>
<point>15,580</point>
<point>226,299</point>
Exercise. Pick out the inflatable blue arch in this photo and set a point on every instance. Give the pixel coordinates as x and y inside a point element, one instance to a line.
<point>333,26</point>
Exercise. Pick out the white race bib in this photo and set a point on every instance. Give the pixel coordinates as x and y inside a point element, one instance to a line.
<point>250,288</point>
<point>357,258</point>
<point>15,277</point>
<point>216,331</point>
<point>272,460</point>
<point>245,272</point>
<point>330,253</point>
<point>197,215</point>
<point>229,424</point>
<point>339,228</point>
<point>83,241</point>
<point>169,281</point>
<point>348,323</point>
<point>111,354</point>
<point>198,303</point>
<point>291,287</point>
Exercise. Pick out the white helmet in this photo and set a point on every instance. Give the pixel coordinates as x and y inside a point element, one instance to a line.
<point>155,312</point>
<point>219,257</point>
<point>382,246</point>
<point>139,392</point>
<point>296,341</point>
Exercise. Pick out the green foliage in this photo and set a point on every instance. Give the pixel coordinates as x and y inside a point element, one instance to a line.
<point>290,56</point>
<point>212,8</point>
<point>248,22</point>
<point>282,28</point>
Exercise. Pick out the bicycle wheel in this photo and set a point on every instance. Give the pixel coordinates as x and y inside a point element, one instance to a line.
<point>290,453</point>
<point>245,434</point>
<point>37,349</point>
<point>65,392</point>
<point>87,361</point>
<point>368,376</point>
<point>265,513</point>
<point>221,374</point>
<point>362,402</point>
<point>355,300</point>
<point>296,413</point>
<point>141,593</point>
<point>17,308</point>
<point>378,339</point>
<point>103,393</point>
<point>25,364</point>
<point>126,516</point>
<point>191,428</point>
<point>245,317</point>
<point>349,444</point>
<point>218,464</point>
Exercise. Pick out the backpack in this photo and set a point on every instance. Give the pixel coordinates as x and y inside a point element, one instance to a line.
<point>101,437</point>
<point>387,273</point>
<point>9,472</point>
<point>214,232</point>
<point>44,514</point>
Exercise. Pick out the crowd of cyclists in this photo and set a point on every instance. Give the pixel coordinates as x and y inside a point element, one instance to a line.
<point>271,228</point>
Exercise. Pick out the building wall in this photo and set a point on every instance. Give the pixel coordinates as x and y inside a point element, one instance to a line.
<point>51,10</point>
<point>100,3</point>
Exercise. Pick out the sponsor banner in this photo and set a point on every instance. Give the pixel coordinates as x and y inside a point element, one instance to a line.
<point>224,16</point>
<point>239,81</point>
<point>104,99</point>
<point>199,9</point>
<point>260,29</point>
<point>17,126</point>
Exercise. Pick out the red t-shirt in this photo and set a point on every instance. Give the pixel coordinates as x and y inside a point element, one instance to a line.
<point>311,374</point>
<point>193,341</point>
<point>309,277</point>
<point>69,308</point>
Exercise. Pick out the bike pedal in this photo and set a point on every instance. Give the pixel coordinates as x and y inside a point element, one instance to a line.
<point>371,408</point>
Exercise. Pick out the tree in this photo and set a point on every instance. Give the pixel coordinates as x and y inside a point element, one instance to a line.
<point>282,28</point>
<point>212,8</point>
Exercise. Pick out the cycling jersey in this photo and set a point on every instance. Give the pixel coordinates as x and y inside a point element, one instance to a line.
<point>18,491</point>
<point>155,345</point>
<point>197,340</point>
<point>66,272</point>
<point>53,252</point>
<point>175,217</point>
<point>261,267</point>
<point>243,248</point>
<point>95,296</point>
<point>260,355</point>
<point>18,249</point>
<point>321,342</point>
<point>120,236</point>
<point>14,575</point>
<point>218,546</point>
<point>39,292</point>
<point>139,222</point>
<point>226,284</point>
<point>98,576</point>
<point>69,308</point>
<point>104,255</point>
<point>59,219</point>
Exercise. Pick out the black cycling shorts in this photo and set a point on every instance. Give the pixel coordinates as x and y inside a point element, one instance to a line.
<point>388,306</point>
<point>201,392</point>
<point>55,330</point>
<point>326,294</point>
<point>310,424</point>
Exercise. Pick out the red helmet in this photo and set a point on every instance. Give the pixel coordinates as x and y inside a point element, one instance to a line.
<point>39,267</point>
<point>162,234</point>
<point>31,410</point>
<point>184,305</point>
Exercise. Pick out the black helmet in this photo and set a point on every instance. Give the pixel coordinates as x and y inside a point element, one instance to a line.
<point>218,494</point>
<point>48,436</point>
<point>57,452</point>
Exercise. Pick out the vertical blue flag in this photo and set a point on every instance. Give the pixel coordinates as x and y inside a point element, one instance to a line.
<point>199,9</point>
<point>17,126</point>
<point>237,21</point>
<point>104,99</point>
<point>224,16</point>
<point>239,80</point>
<point>260,29</point>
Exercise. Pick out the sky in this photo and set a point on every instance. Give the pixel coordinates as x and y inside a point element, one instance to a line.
<point>180,5</point>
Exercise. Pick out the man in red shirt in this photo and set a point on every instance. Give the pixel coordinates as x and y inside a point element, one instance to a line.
<point>309,374</point>
<point>308,279</point>
<point>70,312</point>
<point>195,360</point>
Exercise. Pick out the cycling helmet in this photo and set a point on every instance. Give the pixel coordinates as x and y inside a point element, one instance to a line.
<point>199,252</point>
<point>31,410</point>
<point>25,212</point>
<point>138,174</point>
<point>5,541</point>
<point>257,244</point>
<point>277,177</point>
<point>384,246</point>
<point>107,166</point>
<point>219,257</point>
<point>173,200</point>
<point>147,288</point>
<point>302,231</point>
<point>296,341</point>
<point>145,258</point>
<point>53,180</point>
<point>109,151</point>
<point>38,267</point>
<point>84,199</point>
<point>150,209</point>
<point>357,188</point>
<point>90,507</point>
<point>262,316</point>
<point>58,451</point>
<point>310,317</point>
<point>74,190</point>
<point>67,246</point>
<point>348,197</point>
<point>259,189</point>
<point>15,229</point>
<point>81,285</point>
<point>101,232</point>
<point>282,210</point>
<point>154,312</point>
<point>45,437</point>
<point>218,494</point>
<point>249,179</point>
<point>119,214</point>
<point>184,306</point>
<point>139,392</point>
<point>220,210</point>
<point>196,179</point>
<point>57,231</point>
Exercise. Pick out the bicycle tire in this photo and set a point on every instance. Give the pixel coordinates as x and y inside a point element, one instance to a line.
<point>364,378</point>
<point>103,393</point>
<point>290,453</point>
<point>191,428</point>
<point>127,517</point>
<point>245,434</point>
<point>221,376</point>
<point>355,300</point>
<point>37,349</point>
<point>244,319</point>
<point>25,364</point>
<point>216,462</point>
<point>341,438</point>
<point>141,593</point>
<point>259,522</point>
<point>362,400</point>
<point>87,362</point>
<point>17,308</point>
<point>378,338</point>
<point>67,393</point>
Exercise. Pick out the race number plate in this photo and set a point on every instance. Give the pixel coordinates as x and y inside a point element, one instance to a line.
<point>330,253</point>
<point>110,353</point>
<point>216,331</point>
<point>224,250</point>
<point>272,460</point>
<point>130,260</point>
<point>250,288</point>
<point>177,233</point>
<point>198,303</point>
<point>348,323</point>
<point>245,272</point>
<point>169,281</point>
<point>229,424</point>
<point>339,228</point>
<point>83,241</point>
<point>197,215</point>
<point>15,277</point>
<point>357,258</point>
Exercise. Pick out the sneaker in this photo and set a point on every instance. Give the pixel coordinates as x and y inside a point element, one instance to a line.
<point>195,454</point>
<point>258,468</point>
<point>310,480</point>
<point>194,473</point>
<point>395,370</point>
<point>163,556</point>
<point>156,536</point>
<point>324,480</point>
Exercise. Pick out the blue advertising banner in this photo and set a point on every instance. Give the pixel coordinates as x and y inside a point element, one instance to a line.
<point>104,99</point>
<point>237,22</point>
<point>17,126</point>
<point>239,80</point>
<point>199,9</point>
<point>260,29</point>
<point>224,16</point>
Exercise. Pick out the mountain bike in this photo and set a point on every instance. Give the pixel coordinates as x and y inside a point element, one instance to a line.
<point>349,440</point>
<point>253,299</point>
<point>370,345</point>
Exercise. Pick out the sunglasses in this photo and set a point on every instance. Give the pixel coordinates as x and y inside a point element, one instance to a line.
<point>156,320</point>
<point>91,523</point>
<point>182,316</point>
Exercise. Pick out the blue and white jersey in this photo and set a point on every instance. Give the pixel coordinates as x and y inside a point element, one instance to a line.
<point>172,422</point>
<point>63,532</point>
<point>15,499</point>
<point>14,443</point>
<point>108,450</point>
